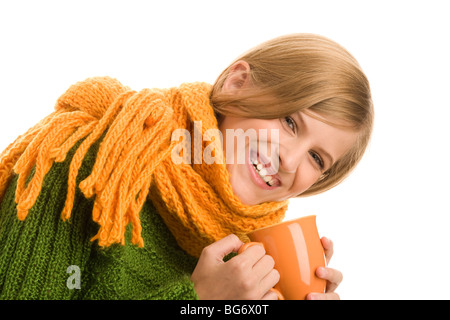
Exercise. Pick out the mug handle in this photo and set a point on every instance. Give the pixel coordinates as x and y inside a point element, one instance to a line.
<point>247,245</point>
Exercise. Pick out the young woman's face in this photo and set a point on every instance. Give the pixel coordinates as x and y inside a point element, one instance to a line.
<point>299,152</point>
<point>302,150</point>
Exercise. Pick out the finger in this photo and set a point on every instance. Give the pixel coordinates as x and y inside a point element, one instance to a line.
<point>264,266</point>
<point>252,254</point>
<point>270,295</point>
<point>219,249</point>
<point>328,248</point>
<point>334,277</point>
<point>323,296</point>
<point>270,280</point>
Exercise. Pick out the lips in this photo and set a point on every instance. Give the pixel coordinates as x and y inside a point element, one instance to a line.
<point>262,172</point>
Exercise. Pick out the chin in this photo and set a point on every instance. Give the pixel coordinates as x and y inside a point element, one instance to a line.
<point>244,196</point>
<point>243,193</point>
<point>249,198</point>
<point>249,201</point>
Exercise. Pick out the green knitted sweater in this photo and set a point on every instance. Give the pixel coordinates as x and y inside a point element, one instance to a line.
<point>44,257</point>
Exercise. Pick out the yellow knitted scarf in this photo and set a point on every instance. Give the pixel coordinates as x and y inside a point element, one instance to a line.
<point>134,163</point>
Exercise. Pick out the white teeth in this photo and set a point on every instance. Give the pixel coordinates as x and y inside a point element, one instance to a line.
<point>263,174</point>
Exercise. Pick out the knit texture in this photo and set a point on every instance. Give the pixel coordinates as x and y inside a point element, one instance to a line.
<point>133,163</point>
<point>35,254</point>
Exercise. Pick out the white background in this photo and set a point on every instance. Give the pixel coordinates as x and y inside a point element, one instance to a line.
<point>389,220</point>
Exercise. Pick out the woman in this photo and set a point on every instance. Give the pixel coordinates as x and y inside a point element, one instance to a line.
<point>92,193</point>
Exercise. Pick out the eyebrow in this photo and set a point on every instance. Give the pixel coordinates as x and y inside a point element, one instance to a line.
<point>321,150</point>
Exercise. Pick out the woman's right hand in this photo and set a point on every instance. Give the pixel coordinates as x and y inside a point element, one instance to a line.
<point>249,275</point>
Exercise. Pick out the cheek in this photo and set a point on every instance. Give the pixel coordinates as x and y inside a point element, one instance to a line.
<point>305,178</point>
<point>241,186</point>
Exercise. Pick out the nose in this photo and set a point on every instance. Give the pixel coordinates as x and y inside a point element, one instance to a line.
<point>290,159</point>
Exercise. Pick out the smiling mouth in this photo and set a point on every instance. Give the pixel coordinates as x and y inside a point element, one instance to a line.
<point>265,171</point>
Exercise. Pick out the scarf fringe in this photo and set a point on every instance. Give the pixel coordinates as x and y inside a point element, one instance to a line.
<point>138,128</point>
<point>133,163</point>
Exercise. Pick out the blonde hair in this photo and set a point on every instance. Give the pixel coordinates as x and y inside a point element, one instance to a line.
<point>304,72</point>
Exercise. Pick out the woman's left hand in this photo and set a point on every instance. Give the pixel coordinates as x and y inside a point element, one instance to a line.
<point>333,276</point>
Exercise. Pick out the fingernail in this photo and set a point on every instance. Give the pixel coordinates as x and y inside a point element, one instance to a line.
<point>322,272</point>
<point>311,296</point>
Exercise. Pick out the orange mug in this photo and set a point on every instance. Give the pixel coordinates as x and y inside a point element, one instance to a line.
<point>297,250</point>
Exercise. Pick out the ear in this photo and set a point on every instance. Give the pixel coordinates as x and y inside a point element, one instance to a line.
<point>238,77</point>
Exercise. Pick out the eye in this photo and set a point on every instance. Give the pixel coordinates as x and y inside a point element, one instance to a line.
<point>317,159</point>
<point>291,123</point>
